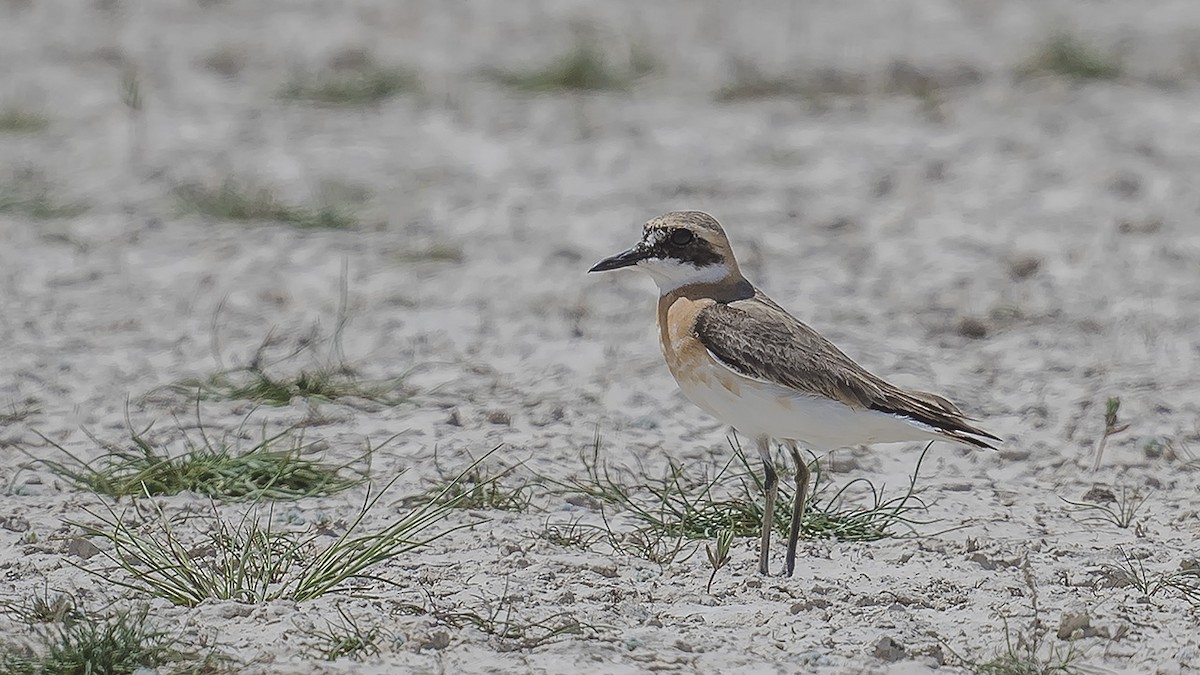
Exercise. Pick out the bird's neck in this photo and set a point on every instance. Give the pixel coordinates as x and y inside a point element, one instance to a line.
<point>727,288</point>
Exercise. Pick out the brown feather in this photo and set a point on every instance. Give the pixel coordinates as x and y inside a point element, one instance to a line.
<point>757,338</point>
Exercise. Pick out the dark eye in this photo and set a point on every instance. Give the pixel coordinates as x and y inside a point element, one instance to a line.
<point>681,237</point>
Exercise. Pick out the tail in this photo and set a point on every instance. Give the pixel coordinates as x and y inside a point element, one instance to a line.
<point>945,418</point>
<point>974,437</point>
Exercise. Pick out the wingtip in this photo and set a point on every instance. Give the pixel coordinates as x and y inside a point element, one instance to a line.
<point>978,441</point>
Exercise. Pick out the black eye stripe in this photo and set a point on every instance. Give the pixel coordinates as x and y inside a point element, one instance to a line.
<point>697,252</point>
<point>681,237</point>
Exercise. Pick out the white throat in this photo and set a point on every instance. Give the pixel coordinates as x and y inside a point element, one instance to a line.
<point>671,274</point>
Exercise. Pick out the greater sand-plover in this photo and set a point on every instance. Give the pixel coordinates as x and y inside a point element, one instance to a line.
<point>744,360</point>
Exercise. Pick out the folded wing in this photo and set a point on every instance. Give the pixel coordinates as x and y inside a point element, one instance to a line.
<point>759,339</point>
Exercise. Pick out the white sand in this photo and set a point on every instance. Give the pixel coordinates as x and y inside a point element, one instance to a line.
<point>880,222</point>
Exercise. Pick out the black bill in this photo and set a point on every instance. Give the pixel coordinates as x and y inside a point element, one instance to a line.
<point>623,259</point>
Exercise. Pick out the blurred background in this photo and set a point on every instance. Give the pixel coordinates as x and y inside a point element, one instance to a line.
<point>1014,180</point>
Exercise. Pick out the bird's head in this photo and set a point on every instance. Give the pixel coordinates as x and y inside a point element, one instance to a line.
<point>678,249</point>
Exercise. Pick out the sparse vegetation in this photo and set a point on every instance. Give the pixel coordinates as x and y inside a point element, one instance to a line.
<point>353,78</point>
<point>18,119</point>
<point>760,87</point>
<point>1029,652</point>
<point>1065,55</point>
<point>129,88</point>
<point>208,556</point>
<point>498,617</point>
<point>697,507</point>
<point>274,467</point>
<point>120,644</point>
<point>652,544</point>
<point>1183,581</point>
<point>571,535</point>
<point>442,252</point>
<point>44,607</point>
<point>233,201</point>
<point>29,194</point>
<point>1112,427</point>
<point>349,637</point>
<point>328,379</point>
<point>1102,505</point>
<point>476,489</point>
<point>902,78</point>
<point>19,411</point>
<point>585,67</point>
<point>718,556</point>
<point>682,506</point>
<point>830,515</point>
<point>321,385</point>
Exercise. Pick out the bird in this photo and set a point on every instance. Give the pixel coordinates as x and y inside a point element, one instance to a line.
<point>746,361</point>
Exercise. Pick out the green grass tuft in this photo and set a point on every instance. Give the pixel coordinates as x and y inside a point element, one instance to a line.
<point>441,252</point>
<point>31,195</point>
<point>584,68</point>
<point>16,119</point>
<point>232,201</point>
<point>821,87</point>
<point>354,78</point>
<point>275,467</point>
<point>571,535</point>
<point>188,560</point>
<point>477,489</point>
<point>1065,55</point>
<point>1183,581</point>
<point>689,506</point>
<point>320,385</point>
<point>44,608</point>
<point>830,514</point>
<point>1101,505</point>
<point>329,379</point>
<point>119,645</point>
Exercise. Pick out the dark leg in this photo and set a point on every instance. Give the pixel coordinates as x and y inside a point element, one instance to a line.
<point>798,503</point>
<point>771,486</point>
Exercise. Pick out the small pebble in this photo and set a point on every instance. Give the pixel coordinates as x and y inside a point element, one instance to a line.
<point>1073,626</point>
<point>971,327</point>
<point>887,649</point>
<point>499,417</point>
<point>82,548</point>
<point>1023,267</point>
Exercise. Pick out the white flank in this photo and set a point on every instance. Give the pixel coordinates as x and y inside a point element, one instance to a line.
<point>759,408</point>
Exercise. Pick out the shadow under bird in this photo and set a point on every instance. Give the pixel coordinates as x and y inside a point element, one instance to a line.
<point>746,361</point>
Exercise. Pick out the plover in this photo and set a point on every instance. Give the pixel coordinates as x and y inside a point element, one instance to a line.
<point>746,361</point>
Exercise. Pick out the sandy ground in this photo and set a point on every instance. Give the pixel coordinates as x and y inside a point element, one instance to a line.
<point>883,220</point>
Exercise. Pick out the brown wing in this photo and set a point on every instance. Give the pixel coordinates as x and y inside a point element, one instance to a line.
<point>757,338</point>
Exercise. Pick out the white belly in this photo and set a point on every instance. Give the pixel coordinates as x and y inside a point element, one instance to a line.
<point>756,408</point>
